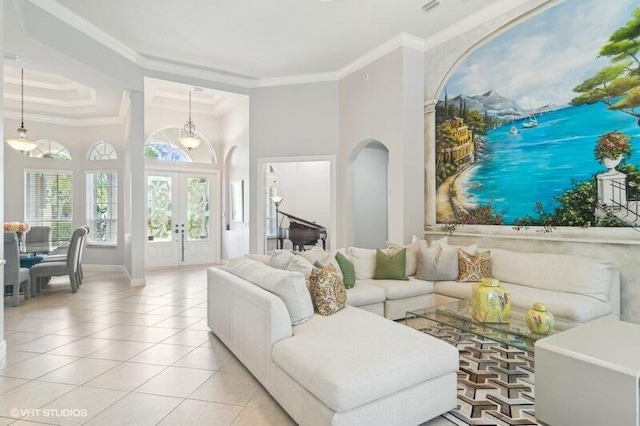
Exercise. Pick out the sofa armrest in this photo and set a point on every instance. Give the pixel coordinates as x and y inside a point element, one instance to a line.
<point>247,318</point>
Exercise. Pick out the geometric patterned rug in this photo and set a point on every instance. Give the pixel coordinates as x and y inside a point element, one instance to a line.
<point>495,381</point>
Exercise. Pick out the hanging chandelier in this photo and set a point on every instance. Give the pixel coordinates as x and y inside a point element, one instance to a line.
<point>190,140</point>
<point>21,143</point>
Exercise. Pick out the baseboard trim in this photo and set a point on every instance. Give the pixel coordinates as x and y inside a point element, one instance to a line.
<point>133,282</point>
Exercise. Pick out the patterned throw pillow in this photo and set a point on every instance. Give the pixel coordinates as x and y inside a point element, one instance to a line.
<point>474,268</point>
<point>327,290</point>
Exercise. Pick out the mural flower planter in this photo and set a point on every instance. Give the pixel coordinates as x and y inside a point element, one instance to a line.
<point>611,148</point>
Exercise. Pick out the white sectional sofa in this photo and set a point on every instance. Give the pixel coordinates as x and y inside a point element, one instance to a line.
<point>350,368</point>
<point>355,367</point>
<point>573,287</point>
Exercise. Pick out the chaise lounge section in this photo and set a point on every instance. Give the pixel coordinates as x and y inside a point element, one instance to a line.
<point>350,368</point>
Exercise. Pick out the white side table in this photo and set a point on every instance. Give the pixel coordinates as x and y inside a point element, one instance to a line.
<point>589,375</point>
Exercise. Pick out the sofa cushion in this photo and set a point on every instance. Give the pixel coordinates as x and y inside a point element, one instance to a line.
<point>364,293</point>
<point>327,290</point>
<point>559,272</point>
<point>395,289</point>
<point>376,357</point>
<point>439,261</point>
<point>364,261</point>
<point>288,286</point>
<point>391,266</point>
<point>571,306</point>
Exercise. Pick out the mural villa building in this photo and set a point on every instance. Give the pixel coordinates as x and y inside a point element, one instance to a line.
<point>460,152</point>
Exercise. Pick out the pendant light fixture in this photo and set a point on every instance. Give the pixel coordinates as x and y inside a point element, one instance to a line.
<point>190,140</point>
<point>21,143</point>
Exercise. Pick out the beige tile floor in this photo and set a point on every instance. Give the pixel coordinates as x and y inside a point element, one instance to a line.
<point>114,355</point>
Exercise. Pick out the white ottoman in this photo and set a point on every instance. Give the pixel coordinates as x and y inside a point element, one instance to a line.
<point>589,375</point>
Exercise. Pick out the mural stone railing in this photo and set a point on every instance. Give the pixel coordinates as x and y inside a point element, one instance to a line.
<point>613,199</point>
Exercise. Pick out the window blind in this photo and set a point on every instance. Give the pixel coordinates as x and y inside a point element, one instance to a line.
<point>49,202</point>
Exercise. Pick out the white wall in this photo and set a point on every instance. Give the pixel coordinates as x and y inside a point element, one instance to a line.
<point>305,188</point>
<point>78,140</point>
<point>3,343</point>
<point>235,129</point>
<point>387,106</point>
<point>370,193</point>
<point>290,121</point>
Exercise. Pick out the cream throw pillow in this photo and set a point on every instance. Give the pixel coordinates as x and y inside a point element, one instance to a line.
<point>439,261</point>
<point>280,259</point>
<point>318,254</point>
<point>364,262</point>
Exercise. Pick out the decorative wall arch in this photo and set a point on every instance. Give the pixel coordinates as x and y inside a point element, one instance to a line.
<point>165,146</point>
<point>102,151</point>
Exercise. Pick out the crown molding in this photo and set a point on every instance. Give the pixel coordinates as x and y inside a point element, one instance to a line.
<point>76,21</point>
<point>298,79</point>
<point>197,72</point>
<point>401,40</point>
<point>64,121</point>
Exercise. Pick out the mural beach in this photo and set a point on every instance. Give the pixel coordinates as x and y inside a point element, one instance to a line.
<point>518,120</point>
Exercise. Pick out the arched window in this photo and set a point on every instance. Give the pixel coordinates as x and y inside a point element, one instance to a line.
<point>164,145</point>
<point>49,148</point>
<point>103,151</point>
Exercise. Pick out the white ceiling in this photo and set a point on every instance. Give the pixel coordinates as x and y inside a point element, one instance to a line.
<point>266,38</point>
<point>257,39</point>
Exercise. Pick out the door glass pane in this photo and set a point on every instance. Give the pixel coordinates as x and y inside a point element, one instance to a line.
<point>197,209</point>
<point>159,208</point>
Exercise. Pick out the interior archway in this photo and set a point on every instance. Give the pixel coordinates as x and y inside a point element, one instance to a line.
<point>368,195</point>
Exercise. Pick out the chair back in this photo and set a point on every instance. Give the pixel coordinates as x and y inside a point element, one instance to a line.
<point>74,249</point>
<point>12,257</point>
<point>39,234</point>
<point>83,244</point>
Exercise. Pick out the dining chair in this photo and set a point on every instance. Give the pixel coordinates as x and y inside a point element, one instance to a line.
<point>63,257</point>
<point>39,235</point>
<point>14,275</point>
<point>69,266</point>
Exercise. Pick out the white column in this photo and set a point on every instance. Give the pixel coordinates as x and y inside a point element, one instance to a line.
<point>3,344</point>
<point>612,189</point>
<point>430,163</point>
<point>135,192</point>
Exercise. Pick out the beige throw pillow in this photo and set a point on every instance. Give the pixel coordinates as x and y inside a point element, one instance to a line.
<point>439,261</point>
<point>364,262</point>
<point>413,251</point>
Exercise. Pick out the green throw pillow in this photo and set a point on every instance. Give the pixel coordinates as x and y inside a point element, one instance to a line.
<point>390,267</point>
<point>348,270</point>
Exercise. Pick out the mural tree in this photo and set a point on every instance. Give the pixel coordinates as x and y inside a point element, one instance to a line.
<point>617,85</point>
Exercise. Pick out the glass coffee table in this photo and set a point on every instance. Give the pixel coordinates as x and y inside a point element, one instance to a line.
<point>458,315</point>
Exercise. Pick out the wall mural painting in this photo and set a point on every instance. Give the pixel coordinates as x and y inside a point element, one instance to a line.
<point>526,122</point>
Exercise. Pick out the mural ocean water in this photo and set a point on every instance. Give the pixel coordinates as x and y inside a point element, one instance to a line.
<point>518,121</point>
<point>540,163</point>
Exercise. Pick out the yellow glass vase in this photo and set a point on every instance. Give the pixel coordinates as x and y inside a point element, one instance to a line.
<point>539,320</point>
<point>490,302</point>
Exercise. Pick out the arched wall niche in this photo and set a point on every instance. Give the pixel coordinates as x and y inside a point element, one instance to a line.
<point>367,187</point>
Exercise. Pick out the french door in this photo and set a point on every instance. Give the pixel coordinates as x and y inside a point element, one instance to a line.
<point>181,223</point>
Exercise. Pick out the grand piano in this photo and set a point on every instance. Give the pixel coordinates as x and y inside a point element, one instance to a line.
<point>301,232</point>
